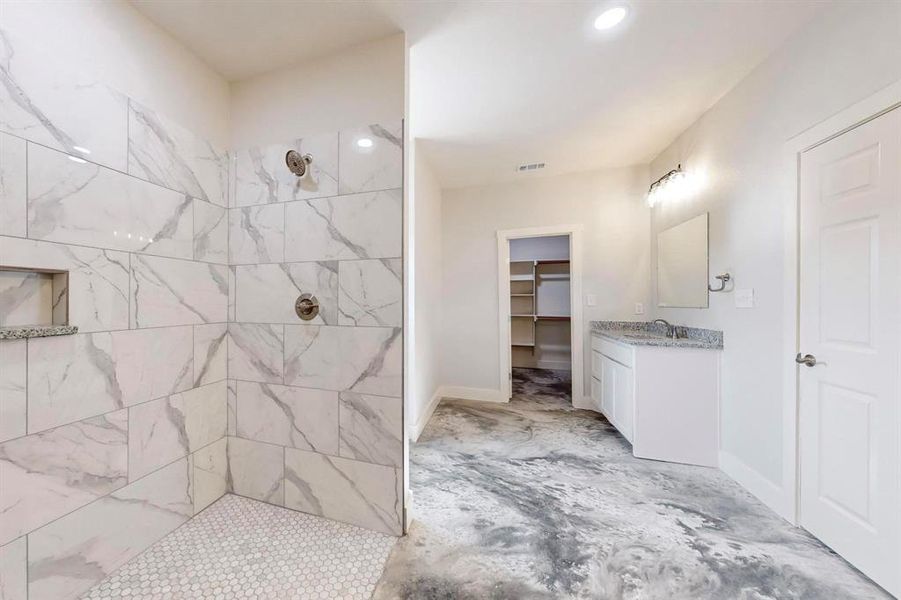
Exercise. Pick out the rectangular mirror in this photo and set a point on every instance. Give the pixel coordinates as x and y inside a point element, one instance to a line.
<point>682,265</point>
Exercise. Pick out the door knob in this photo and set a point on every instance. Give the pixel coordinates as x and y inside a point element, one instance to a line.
<point>808,360</point>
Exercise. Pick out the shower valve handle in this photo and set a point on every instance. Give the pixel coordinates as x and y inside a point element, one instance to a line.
<point>306,306</point>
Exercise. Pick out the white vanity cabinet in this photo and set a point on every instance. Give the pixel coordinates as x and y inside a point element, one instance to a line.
<point>662,399</point>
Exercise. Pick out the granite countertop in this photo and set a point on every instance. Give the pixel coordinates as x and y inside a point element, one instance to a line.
<point>644,333</point>
<point>22,332</point>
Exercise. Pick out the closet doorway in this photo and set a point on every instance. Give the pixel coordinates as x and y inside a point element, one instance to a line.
<point>539,283</point>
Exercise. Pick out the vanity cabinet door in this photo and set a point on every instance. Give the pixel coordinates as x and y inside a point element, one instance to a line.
<point>623,401</point>
<point>608,392</point>
<point>616,395</point>
<point>596,392</point>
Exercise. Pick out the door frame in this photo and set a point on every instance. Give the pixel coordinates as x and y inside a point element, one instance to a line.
<point>786,500</point>
<point>505,352</point>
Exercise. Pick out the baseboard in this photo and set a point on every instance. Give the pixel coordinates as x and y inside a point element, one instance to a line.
<point>419,425</point>
<point>762,488</point>
<point>477,394</point>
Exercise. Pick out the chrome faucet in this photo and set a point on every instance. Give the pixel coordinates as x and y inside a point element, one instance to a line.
<point>671,330</point>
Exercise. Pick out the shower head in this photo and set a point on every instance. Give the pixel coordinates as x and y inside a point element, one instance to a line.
<point>298,162</point>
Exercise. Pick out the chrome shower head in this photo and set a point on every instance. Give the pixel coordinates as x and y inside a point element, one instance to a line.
<point>297,162</point>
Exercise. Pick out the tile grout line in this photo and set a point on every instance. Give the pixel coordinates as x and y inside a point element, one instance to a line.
<point>105,496</point>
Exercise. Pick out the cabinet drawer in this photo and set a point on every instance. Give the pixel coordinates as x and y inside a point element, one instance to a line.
<point>618,352</point>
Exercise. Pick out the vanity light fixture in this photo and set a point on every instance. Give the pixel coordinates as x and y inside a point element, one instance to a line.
<point>675,185</point>
<point>611,18</point>
<point>364,142</point>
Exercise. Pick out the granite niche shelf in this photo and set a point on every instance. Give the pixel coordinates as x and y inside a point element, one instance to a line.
<point>23,332</point>
<point>36,301</point>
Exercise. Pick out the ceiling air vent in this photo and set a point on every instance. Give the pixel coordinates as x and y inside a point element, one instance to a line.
<point>530,167</point>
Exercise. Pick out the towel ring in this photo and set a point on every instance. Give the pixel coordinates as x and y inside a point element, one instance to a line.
<point>724,278</point>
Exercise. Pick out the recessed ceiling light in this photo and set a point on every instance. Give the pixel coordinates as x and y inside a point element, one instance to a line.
<point>610,17</point>
<point>364,143</point>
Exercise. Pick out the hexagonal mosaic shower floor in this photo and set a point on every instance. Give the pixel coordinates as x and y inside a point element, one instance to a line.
<point>241,548</point>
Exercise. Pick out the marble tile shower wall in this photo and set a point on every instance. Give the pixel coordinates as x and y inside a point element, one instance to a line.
<point>315,409</point>
<point>111,438</point>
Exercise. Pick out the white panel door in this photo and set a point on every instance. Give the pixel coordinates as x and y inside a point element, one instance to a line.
<point>850,270</point>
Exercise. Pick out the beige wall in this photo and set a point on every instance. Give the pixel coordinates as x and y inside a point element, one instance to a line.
<point>424,275</point>
<point>609,204</point>
<point>359,86</point>
<point>849,52</point>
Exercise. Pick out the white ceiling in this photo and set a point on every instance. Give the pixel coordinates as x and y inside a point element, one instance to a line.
<point>496,84</point>
<point>243,38</point>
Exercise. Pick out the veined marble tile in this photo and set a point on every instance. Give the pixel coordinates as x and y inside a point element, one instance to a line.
<point>311,356</point>
<point>256,352</point>
<point>167,429</point>
<point>78,376</point>
<point>13,207</point>
<point>232,167</point>
<point>207,414</point>
<point>70,555</point>
<point>165,153</point>
<point>210,232</point>
<point>70,202</point>
<point>256,470</point>
<point>371,428</point>
<point>351,227</point>
<point>266,293</point>
<point>98,279</point>
<point>232,290</point>
<point>13,378</point>
<point>59,108</point>
<point>232,407</point>
<point>345,490</point>
<point>177,292</point>
<point>371,360</point>
<point>26,298</point>
<point>288,416</point>
<point>261,176</point>
<point>256,234</point>
<point>370,292</point>
<point>14,570</point>
<point>378,167</point>
<point>210,472</point>
<point>210,353</point>
<point>49,474</point>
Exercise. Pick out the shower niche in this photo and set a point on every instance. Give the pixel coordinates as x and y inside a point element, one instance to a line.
<point>34,303</point>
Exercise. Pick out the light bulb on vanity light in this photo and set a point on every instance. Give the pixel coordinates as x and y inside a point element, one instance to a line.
<point>674,186</point>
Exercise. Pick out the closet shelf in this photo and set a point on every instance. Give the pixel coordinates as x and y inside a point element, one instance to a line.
<point>529,295</point>
<point>552,317</point>
<point>524,316</point>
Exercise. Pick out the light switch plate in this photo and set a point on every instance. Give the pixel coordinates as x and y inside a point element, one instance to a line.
<point>744,298</point>
<point>591,300</point>
<point>639,308</point>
